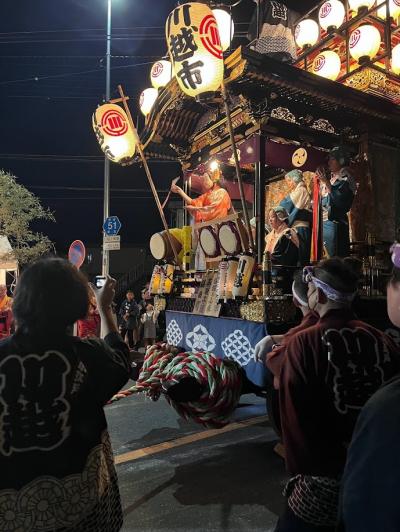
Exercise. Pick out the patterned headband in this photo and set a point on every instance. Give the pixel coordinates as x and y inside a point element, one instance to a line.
<point>395,253</point>
<point>297,296</point>
<point>330,292</point>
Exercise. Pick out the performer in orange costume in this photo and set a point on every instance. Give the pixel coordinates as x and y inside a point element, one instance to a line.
<point>215,203</point>
<point>5,312</point>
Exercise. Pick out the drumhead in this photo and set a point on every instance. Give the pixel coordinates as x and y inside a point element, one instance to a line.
<point>229,238</point>
<point>208,242</point>
<point>158,246</point>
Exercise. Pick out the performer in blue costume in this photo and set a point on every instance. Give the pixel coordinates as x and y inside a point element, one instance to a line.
<point>298,205</point>
<point>337,191</point>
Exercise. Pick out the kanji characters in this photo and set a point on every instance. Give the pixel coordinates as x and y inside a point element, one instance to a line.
<point>34,413</point>
<point>183,45</point>
<point>358,364</point>
<point>279,10</point>
<point>190,74</point>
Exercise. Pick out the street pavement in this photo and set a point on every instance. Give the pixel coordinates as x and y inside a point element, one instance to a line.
<point>177,476</point>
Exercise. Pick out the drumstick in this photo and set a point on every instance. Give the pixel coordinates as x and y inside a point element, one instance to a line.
<point>174,182</point>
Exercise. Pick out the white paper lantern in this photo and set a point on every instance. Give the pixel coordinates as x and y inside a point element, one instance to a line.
<point>194,46</point>
<point>307,33</point>
<point>364,43</point>
<point>147,100</point>
<point>226,27</point>
<point>394,10</point>
<point>331,15</point>
<point>357,5</point>
<point>396,59</point>
<point>161,74</point>
<point>114,133</point>
<point>327,64</point>
<point>244,275</point>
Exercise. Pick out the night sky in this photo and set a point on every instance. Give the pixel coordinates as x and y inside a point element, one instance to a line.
<point>52,77</point>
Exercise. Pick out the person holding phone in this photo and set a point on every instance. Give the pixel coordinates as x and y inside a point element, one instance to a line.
<point>58,472</point>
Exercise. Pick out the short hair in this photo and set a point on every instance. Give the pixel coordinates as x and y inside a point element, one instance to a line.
<point>130,291</point>
<point>50,296</point>
<point>339,273</point>
<point>300,286</point>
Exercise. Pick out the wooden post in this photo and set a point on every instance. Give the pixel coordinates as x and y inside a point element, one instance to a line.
<point>237,165</point>
<point>147,170</point>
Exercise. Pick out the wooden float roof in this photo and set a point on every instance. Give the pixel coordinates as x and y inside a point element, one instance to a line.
<point>276,98</point>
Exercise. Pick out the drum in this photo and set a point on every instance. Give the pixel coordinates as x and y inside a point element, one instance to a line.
<point>160,245</point>
<point>232,237</point>
<point>209,242</point>
<point>155,280</point>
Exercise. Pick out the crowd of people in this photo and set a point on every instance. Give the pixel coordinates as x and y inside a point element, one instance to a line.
<point>334,378</point>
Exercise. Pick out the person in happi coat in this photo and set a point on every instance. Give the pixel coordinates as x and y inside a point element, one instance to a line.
<point>6,316</point>
<point>330,371</point>
<point>337,192</point>
<point>282,241</point>
<point>298,205</point>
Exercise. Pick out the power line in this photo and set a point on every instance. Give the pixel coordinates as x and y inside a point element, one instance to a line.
<point>55,76</point>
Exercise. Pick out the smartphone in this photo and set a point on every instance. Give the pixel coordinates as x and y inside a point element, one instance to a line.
<point>99,281</point>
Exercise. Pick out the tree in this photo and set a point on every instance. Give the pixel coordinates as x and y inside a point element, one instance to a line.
<point>19,208</point>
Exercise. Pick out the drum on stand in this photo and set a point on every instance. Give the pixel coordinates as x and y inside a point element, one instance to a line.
<point>160,245</point>
<point>209,242</point>
<point>233,238</point>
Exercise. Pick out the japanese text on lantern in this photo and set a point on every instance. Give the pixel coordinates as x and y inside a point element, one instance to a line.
<point>195,48</point>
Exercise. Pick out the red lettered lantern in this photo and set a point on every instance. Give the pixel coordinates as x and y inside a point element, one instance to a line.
<point>195,48</point>
<point>114,133</point>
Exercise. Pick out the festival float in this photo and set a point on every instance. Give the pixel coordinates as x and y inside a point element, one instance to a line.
<point>245,124</point>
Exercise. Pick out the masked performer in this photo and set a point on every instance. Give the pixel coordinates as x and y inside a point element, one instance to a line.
<point>298,206</point>
<point>215,203</point>
<point>337,193</point>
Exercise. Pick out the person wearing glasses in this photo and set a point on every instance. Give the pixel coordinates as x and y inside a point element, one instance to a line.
<point>330,371</point>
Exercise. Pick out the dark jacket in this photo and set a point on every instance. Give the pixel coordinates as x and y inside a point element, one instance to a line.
<point>372,475</point>
<point>132,310</point>
<point>330,372</point>
<point>54,443</point>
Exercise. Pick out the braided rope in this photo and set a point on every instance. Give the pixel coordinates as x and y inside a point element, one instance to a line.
<point>163,367</point>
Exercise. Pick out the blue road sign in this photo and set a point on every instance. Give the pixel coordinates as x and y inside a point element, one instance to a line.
<point>112,226</point>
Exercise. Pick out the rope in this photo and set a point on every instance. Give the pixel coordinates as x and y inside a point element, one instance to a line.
<point>163,367</point>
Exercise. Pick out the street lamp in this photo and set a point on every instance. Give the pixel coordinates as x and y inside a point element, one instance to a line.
<point>106,201</point>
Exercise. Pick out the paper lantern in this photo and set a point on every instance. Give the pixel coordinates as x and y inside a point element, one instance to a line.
<point>244,275</point>
<point>195,48</point>
<point>155,281</point>
<point>364,43</point>
<point>396,59</point>
<point>222,272</point>
<point>161,74</point>
<point>307,33</point>
<point>166,279</point>
<point>331,15</point>
<point>233,264</point>
<point>226,27</point>
<point>114,133</point>
<point>394,10</point>
<point>147,100</point>
<point>327,65</point>
<point>360,5</point>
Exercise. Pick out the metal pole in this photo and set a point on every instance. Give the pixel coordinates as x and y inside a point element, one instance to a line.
<point>106,204</point>
<point>260,199</point>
